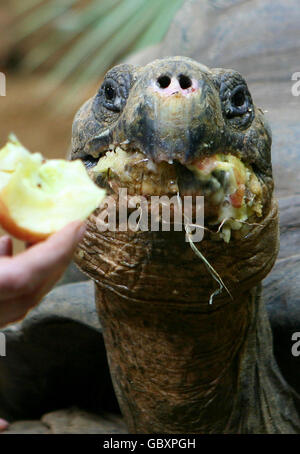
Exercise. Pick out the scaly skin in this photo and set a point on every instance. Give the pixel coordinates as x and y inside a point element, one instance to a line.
<point>180,365</point>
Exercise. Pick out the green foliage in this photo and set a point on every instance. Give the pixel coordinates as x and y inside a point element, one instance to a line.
<point>81,39</point>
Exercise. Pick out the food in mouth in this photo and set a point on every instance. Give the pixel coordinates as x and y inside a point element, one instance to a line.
<point>232,191</point>
<point>133,170</point>
<point>233,187</point>
<point>38,196</point>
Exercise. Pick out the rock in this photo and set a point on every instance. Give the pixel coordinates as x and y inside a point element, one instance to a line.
<point>289,210</point>
<point>70,421</point>
<point>71,275</point>
<point>282,297</point>
<point>281,291</point>
<point>261,39</point>
<point>55,358</point>
<point>74,421</point>
<point>26,427</point>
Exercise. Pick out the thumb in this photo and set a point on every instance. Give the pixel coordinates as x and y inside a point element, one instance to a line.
<point>3,424</point>
<point>56,251</point>
<point>5,246</point>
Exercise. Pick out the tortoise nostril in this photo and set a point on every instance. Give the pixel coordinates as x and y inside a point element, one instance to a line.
<point>184,81</point>
<point>164,81</point>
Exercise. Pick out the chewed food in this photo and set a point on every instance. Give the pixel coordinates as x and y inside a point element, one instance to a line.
<point>231,189</point>
<point>237,190</point>
<point>140,175</point>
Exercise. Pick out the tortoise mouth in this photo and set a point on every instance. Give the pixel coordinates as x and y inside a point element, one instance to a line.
<point>233,193</point>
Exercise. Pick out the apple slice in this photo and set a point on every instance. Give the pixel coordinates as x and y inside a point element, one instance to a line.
<point>38,197</point>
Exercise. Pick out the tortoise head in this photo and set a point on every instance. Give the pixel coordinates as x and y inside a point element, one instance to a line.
<point>178,127</point>
<point>174,109</point>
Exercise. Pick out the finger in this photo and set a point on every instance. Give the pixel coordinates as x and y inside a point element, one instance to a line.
<point>55,251</point>
<point>5,246</point>
<point>14,310</point>
<point>27,271</point>
<point>3,424</point>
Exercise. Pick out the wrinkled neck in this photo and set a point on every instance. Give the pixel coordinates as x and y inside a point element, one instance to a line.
<point>161,267</point>
<point>174,371</point>
<point>189,372</point>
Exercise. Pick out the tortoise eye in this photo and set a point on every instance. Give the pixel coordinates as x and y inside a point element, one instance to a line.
<point>114,90</point>
<point>239,102</point>
<point>110,92</point>
<point>238,98</point>
<point>112,95</point>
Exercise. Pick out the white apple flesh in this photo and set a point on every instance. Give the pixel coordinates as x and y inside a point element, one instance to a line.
<point>39,197</point>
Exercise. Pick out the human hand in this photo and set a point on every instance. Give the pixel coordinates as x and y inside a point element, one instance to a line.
<point>27,277</point>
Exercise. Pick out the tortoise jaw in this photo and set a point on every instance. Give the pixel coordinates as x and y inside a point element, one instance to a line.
<point>232,193</point>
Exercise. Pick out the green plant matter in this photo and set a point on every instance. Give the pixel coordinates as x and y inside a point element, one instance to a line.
<point>80,39</point>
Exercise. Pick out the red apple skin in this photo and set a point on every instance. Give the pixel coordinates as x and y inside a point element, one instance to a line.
<point>207,164</point>
<point>238,196</point>
<point>15,230</point>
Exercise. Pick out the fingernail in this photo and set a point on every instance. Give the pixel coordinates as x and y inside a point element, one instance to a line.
<point>80,233</point>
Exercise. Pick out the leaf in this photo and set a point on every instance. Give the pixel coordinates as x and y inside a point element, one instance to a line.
<point>81,20</point>
<point>86,38</point>
<point>121,41</point>
<point>42,16</point>
<point>23,7</point>
<point>94,39</point>
<point>159,27</point>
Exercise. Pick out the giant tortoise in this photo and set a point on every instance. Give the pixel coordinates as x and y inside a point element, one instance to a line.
<point>185,356</point>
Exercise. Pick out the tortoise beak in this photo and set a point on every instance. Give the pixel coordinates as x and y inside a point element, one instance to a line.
<point>172,113</point>
<point>171,124</point>
<point>99,144</point>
